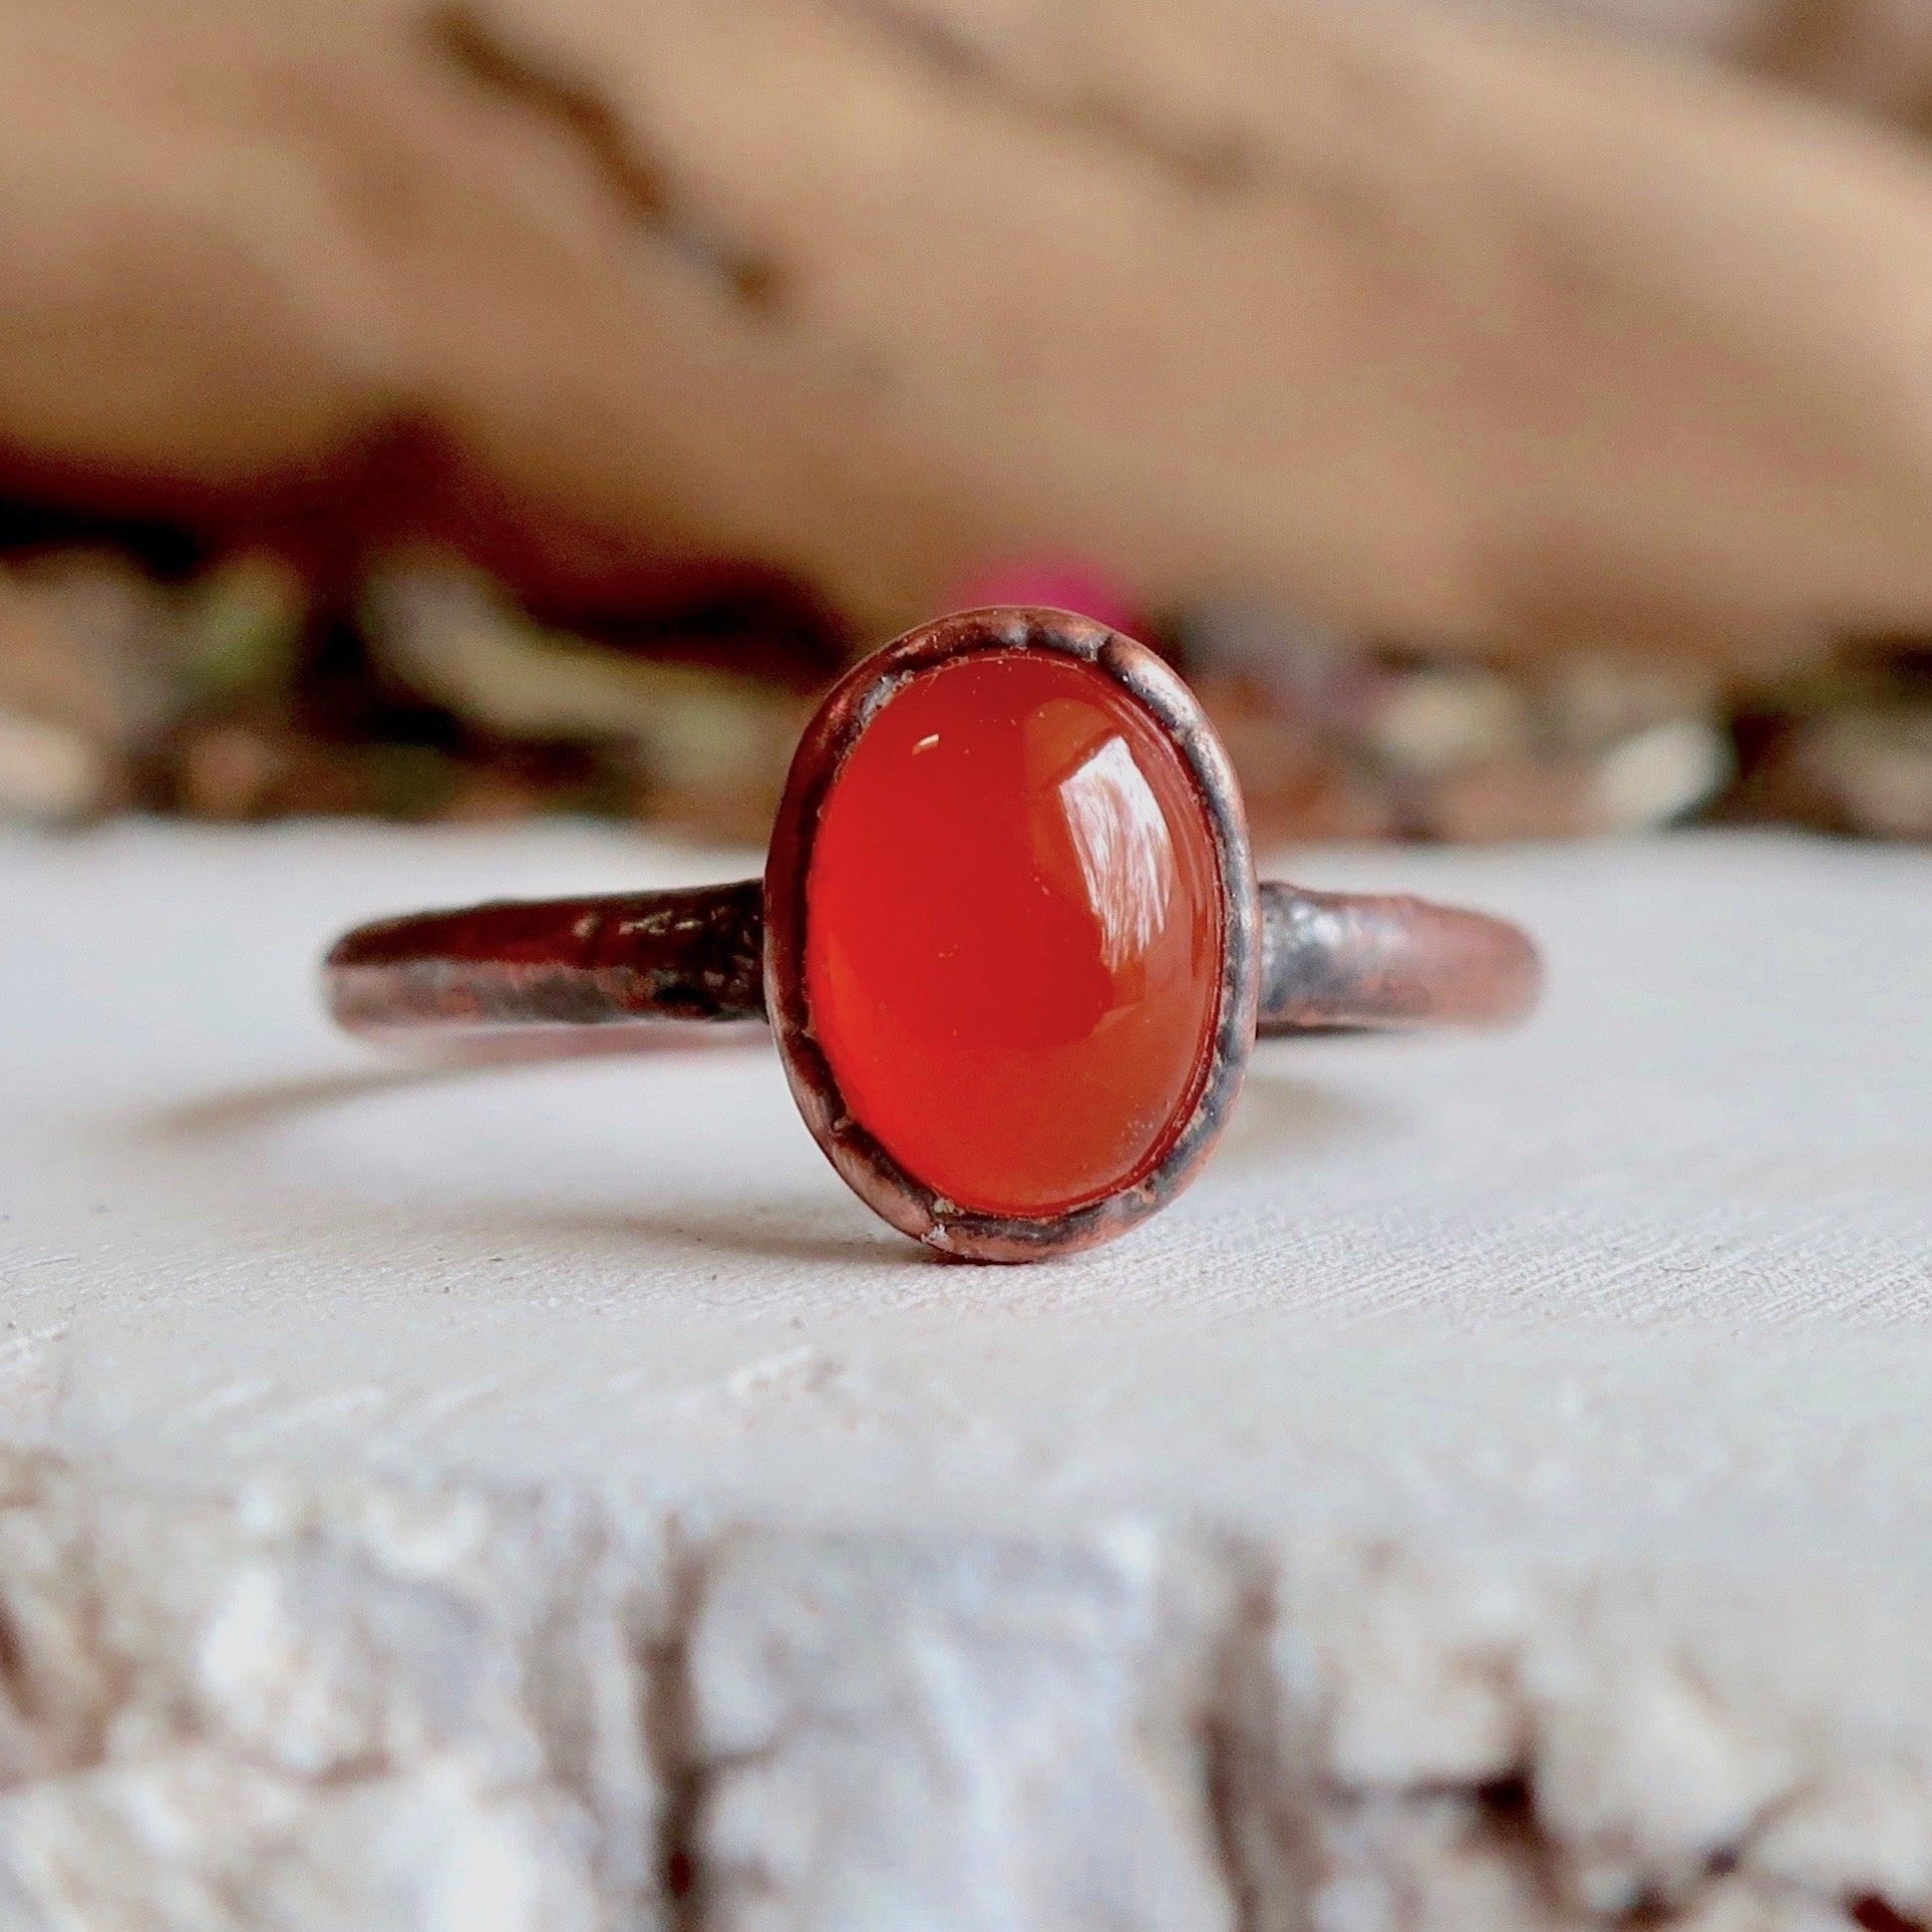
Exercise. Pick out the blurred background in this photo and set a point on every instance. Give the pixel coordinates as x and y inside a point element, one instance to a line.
<point>1518,423</point>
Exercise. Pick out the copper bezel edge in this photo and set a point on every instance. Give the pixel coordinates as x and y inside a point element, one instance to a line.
<point>895,1196</point>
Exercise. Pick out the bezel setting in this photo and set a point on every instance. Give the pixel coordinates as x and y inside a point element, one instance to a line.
<point>895,1194</point>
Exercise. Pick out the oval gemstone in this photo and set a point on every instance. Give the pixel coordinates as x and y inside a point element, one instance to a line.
<point>1013,933</point>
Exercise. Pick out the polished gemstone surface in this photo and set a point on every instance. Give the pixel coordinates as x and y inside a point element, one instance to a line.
<point>1013,933</point>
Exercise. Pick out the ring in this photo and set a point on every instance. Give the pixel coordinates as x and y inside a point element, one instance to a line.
<point>1008,940</point>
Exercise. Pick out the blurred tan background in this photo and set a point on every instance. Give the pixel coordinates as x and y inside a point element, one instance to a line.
<point>1516,422</point>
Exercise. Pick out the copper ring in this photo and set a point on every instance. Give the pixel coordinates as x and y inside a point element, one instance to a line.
<point>1294,961</point>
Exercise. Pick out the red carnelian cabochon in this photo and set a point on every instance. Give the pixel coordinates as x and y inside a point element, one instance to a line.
<point>1013,933</point>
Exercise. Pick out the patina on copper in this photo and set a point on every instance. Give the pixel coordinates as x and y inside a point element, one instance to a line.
<point>1344,960</point>
<point>637,958</point>
<point>1294,961</point>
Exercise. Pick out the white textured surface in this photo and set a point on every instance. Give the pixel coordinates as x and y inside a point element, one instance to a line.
<point>1567,1394</point>
<point>1653,1273</point>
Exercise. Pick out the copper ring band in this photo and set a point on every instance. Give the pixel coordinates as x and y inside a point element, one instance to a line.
<point>1328,960</point>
